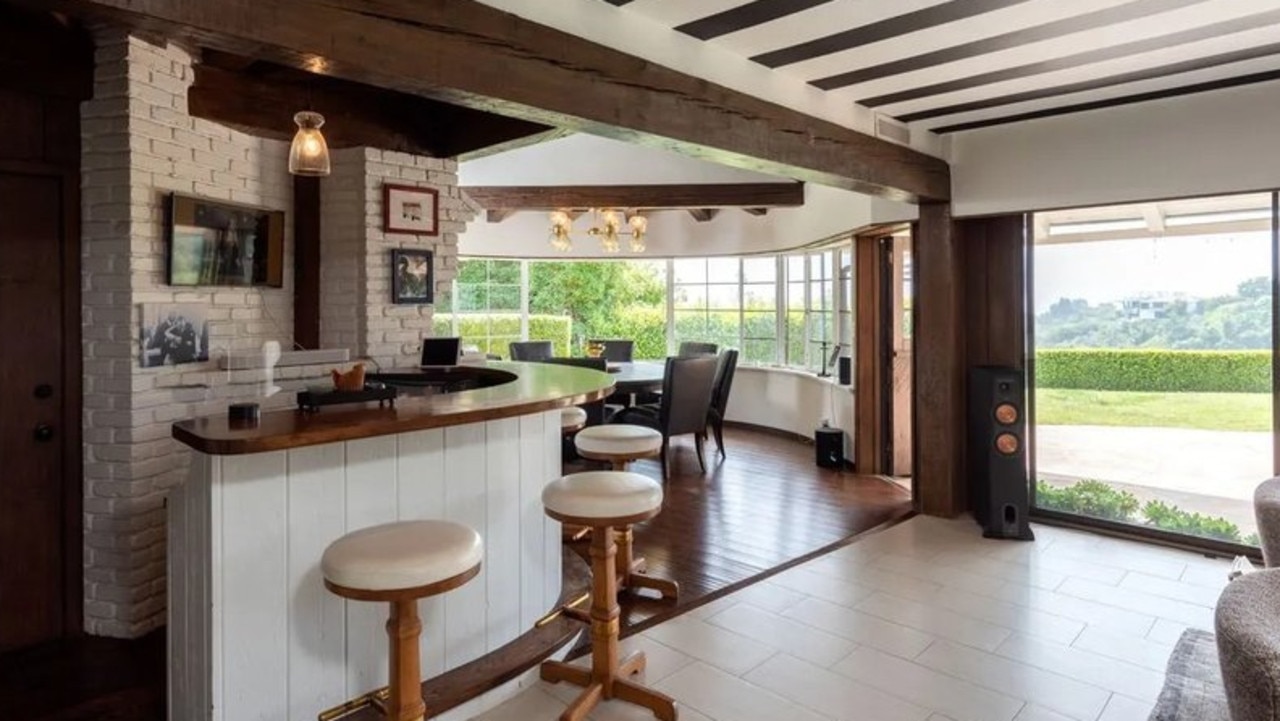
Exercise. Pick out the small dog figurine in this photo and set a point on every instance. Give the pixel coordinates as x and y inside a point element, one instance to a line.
<point>352,380</point>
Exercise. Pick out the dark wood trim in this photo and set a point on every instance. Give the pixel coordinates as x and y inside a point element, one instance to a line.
<point>673,195</point>
<point>43,55</point>
<point>703,215</point>
<point>1160,71</point>
<point>757,211</point>
<point>72,411</point>
<point>1174,92</point>
<point>1047,31</point>
<point>940,14</point>
<point>466,53</point>
<point>938,373</point>
<point>306,261</point>
<point>868,401</point>
<point>745,16</point>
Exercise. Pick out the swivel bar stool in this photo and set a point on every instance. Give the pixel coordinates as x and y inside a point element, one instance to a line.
<point>604,500</point>
<point>399,563</point>
<point>619,444</point>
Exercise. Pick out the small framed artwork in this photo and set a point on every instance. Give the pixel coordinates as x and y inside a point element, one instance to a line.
<point>407,209</point>
<point>412,279</point>
<point>173,334</point>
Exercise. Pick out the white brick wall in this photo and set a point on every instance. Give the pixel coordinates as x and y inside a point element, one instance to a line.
<point>139,144</point>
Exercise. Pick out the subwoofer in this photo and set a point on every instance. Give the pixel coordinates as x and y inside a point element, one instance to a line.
<point>998,487</point>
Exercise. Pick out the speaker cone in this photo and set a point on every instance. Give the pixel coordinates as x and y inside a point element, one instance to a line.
<point>1007,443</point>
<point>1006,414</point>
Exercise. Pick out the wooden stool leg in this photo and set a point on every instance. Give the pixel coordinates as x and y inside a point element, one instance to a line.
<point>403,630</point>
<point>631,570</point>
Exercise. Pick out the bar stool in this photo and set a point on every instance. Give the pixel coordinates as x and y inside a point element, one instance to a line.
<point>572,420</point>
<point>604,500</point>
<point>400,563</point>
<point>619,444</point>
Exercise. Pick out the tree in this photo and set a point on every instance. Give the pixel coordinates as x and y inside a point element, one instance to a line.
<point>594,293</point>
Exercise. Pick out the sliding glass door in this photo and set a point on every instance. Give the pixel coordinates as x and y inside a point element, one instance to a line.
<point>1152,375</point>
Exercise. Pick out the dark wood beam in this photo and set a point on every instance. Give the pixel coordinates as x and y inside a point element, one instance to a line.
<point>497,215</point>
<point>306,261</point>
<point>524,141</point>
<point>262,97</point>
<point>938,410</point>
<point>703,215</point>
<point>757,211</point>
<point>681,195</point>
<point>466,53</point>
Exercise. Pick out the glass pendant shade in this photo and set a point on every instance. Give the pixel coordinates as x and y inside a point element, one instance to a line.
<point>309,154</point>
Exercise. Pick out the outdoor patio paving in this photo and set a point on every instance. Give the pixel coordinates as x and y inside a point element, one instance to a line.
<point>1210,472</point>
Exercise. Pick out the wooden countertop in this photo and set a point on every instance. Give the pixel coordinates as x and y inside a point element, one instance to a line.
<point>537,387</point>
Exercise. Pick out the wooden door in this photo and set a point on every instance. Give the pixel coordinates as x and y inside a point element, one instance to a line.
<point>33,399</point>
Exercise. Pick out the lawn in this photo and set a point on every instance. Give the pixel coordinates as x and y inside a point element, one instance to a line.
<point>1212,411</point>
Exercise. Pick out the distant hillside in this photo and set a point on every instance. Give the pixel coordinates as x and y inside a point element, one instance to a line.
<point>1239,321</point>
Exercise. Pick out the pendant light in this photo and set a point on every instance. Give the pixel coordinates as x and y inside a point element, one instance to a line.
<point>309,154</point>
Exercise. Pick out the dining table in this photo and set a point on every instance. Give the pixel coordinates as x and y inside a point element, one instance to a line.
<point>637,376</point>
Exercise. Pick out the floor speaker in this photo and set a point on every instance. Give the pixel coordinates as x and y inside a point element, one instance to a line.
<point>845,370</point>
<point>998,487</point>
<point>829,443</point>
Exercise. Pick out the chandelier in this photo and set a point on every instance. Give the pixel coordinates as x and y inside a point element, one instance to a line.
<point>606,224</point>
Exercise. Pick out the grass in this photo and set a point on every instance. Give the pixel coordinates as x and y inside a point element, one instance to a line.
<point>1210,411</point>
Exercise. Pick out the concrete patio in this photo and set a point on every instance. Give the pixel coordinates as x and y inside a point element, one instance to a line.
<point>1209,472</point>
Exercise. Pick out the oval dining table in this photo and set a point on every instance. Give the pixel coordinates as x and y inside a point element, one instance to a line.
<point>637,376</point>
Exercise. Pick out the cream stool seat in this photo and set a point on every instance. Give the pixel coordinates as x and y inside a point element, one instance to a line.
<point>399,563</point>
<point>602,500</point>
<point>618,441</point>
<point>592,496</point>
<point>572,419</point>
<point>403,555</point>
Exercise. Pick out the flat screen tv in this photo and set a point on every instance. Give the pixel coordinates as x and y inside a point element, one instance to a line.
<point>213,242</point>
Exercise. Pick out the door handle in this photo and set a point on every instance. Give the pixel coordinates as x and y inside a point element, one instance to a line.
<point>44,433</point>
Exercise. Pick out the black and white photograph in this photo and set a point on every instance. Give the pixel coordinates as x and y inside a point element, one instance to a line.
<point>173,334</point>
<point>411,276</point>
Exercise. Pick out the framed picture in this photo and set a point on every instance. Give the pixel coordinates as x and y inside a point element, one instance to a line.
<point>412,277</point>
<point>173,334</point>
<point>212,242</point>
<point>407,209</point>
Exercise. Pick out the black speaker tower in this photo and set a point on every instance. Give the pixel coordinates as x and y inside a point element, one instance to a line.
<point>998,487</point>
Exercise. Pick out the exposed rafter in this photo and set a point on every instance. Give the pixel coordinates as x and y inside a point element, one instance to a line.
<point>702,215</point>
<point>682,195</point>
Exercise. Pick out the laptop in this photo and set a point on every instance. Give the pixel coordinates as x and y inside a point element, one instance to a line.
<point>438,352</point>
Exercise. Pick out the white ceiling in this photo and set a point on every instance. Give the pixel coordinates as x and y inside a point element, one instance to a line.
<point>949,65</point>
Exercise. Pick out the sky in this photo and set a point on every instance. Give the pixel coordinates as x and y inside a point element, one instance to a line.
<point>1111,270</point>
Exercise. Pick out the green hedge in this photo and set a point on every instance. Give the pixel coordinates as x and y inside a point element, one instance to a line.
<point>1235,371</point>
<point>491,332</point>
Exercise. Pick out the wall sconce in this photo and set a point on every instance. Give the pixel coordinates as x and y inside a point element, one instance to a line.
<point>309,154</point>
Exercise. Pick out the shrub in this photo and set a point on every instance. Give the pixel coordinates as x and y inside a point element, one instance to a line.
<point>1088,498</point>
<point>1171,518</point>
<point>491,332</point>
<point>1235,371</point>
<point>1253,540</point>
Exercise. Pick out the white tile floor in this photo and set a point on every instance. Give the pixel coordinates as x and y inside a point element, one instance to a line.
<point>928,621</point>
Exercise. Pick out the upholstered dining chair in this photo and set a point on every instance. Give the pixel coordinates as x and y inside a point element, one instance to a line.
<point>687,384</point>
<point>597,412</point>
<point>727,366</point>
<point>531,350</point>
<point>617,351</point>
<point>691,348</point>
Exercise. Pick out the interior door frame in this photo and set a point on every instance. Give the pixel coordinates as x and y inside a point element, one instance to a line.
<point>71,379</point>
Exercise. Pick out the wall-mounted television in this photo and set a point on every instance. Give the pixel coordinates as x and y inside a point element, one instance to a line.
<point>213,242</point>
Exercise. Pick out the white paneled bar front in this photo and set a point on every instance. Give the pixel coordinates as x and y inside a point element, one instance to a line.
<point>254,635</point>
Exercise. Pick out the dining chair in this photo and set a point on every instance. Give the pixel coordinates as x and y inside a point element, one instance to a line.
<point>617,351</point>
<point>690,348</point>
<point>687,384</point>
<point>531,350</point>
<point>597,412</point>
<point>725,369</point>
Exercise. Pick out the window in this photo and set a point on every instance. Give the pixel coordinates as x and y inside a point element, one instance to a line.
<point>775,309</point>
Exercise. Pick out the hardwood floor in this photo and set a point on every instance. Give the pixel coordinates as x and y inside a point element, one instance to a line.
<point>765,508</point>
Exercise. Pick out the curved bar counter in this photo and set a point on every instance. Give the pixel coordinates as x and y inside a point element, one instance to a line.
<point>252,632</point>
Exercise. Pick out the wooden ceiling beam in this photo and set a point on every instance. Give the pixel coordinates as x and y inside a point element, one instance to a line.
<point>757,211</point>
<point>466,53</point>
<point>683,195</point>
<point>703,215</point>
<point>262,97</point>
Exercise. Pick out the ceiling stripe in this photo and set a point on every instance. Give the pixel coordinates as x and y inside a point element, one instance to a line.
<point>1066,62</point>
<point>745,16</point>
<point>890,27</point>
<point>1185,66</point>
<point>1047,31</point>
<point>1220,84</point>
